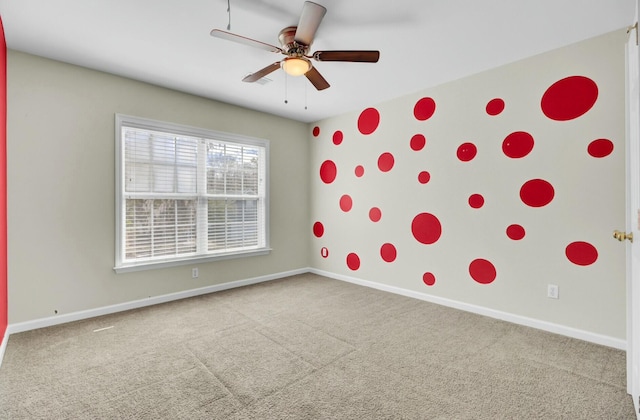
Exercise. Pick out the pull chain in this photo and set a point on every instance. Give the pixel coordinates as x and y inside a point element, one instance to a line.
<point>286,79</point>
<point>229,13</point>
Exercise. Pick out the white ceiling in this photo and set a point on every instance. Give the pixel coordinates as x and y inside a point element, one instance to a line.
<point>422,43</point>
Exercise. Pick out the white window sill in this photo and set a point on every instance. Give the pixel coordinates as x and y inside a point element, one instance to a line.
<point>166,263</point>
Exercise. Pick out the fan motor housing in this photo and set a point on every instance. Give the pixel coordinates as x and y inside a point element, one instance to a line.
<point>289,44</point>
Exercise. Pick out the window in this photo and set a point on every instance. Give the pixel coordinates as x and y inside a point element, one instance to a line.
<point>185,194</point>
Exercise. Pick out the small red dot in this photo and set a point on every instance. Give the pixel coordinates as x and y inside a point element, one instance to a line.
<point>476,201</point>
<point>375,214</point>
<point>429,279</point>
<point>600,148</point>
<point>337,137</point>
<point>424,177</point>
<point>388,252</point>
<point>316,131</point>
<point>517,144</point>
<point>495,106</point>
<point>418,142</point>
<point>385,162</point>
<point>368,121</point>
<point>318,229</point>
<point>328,171</point>
<point>359,171</point>
<point>482,271</point>
<point>515,232</point>
<point>536,193</point>
<point>346,203</point>
<point>581,253</point>
<point>353,261</point>
<point>424,109</point>
<point>466,152</point>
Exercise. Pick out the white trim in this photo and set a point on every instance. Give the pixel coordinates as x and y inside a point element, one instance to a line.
<point>135,304</point>
<point>3,345</point>
<point>492,313</point>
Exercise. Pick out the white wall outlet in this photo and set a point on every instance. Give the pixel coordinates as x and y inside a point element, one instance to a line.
<point>552,291</point>
<point>194,273</point>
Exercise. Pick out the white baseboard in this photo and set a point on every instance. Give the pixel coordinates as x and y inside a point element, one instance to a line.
<point>120,307</point>
<point>3,345</point>
<point>492,313</point>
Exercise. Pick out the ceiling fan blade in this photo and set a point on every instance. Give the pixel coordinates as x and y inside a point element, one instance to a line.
<point>261,73</point>
<point>316,79</point>
<point>353,56</point>
<point>217,33</point>
<point>312,14</point>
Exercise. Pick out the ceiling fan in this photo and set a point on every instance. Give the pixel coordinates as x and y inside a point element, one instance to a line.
<point>295,42</point>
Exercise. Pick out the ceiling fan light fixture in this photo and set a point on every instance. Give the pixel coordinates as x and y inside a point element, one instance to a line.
<point>296,66</point>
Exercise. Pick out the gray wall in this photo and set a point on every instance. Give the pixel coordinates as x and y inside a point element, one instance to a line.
<point>61,187</point>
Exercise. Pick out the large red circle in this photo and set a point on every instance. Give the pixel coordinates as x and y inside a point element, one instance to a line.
<point>466,152</point>
<point>328,171</point>
<point>388,252</point>
<point>600,148</point>
<point>346,203</point>
<point>318,229</point>
<point>482,271</point>
<point>569,98</point>
<point>337,137</point>
<point>536,193</point>
<point>581,253</point>
<point>426,228</point>
<point>417,142</point>
<point>368,121</point>
<point>424,109</point>
<point>385,162</point>
<point>375,214</point>
<point>353,261</point>
<point>515,232</point>
<point>429,279</point>
<point>495,106</point>
<point>517,144</point>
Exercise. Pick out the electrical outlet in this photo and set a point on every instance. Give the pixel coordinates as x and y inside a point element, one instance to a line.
<point>552,291</point>
<point>194,273</point>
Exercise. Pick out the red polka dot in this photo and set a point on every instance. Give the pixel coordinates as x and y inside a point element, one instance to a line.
<point>417,142</point>
<point>346,203</point>
<point>385,162</point>
<point>476,201</point>
<point>359,171</point>
<point>353,261</point>
<point>318,229</point>
<point>426,228</point>
<point>600,148</point>
<point>482,271</point>
<point>467,151</point>
<point>536,193</point>
<point>388,252</point>
<point>424,109</point>
<point>316,131</point>
<point>324,252</point>
<point>337,137</point>
<point>368,121</point>
<point>581,253</point>
<point>517,144</point>
<point>429,279</point>
<point>328,171</point>
<point>375,214</point>
<point>569,98</point>
<point>515,232</point>
<point>424,177</point>
<point>495,106</point>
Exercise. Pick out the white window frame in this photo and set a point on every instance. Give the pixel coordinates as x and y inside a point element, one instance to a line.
<point>121,265</point>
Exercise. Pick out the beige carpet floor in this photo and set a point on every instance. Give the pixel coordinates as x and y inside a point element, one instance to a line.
<point>307,347</point>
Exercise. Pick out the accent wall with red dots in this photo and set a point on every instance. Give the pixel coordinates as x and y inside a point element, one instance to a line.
<point>486,189</point>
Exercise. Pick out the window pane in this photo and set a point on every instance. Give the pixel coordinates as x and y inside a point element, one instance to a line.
<point>232,224</point>
<point>157,228</point>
